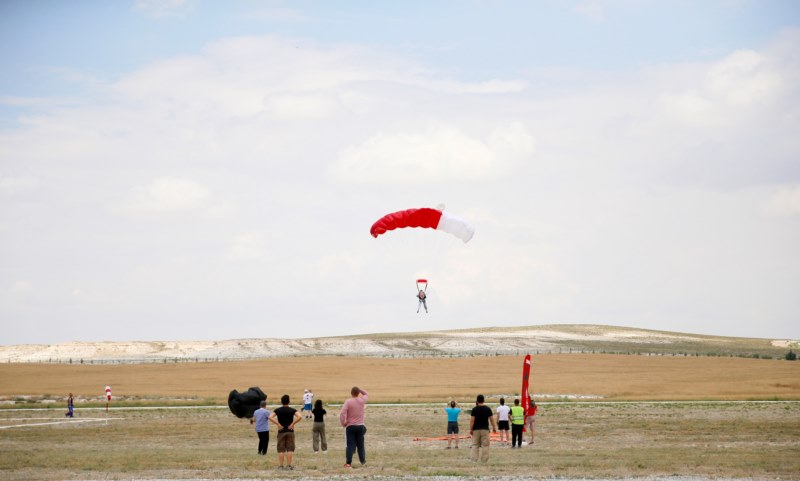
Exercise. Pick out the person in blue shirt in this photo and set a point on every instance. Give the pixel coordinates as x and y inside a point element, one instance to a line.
<point>452,410</point>
<point>261,420</point>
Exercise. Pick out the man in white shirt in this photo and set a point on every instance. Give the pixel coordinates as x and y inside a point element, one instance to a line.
<point>308,396</point>
<point>502,420</point>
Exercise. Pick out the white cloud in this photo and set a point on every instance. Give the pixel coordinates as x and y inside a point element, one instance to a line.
<point>280,14</point>
<point>21,287</point>
<point>784,202</point>
<point>687,107</point>
<point>300,106</point>
<point>163,8</point>
<point>14,185</point>
<point>495,86</point>
<point>440,153</point>
<point>742,78</point>
<point>591,9</point>
<point>16,295</point>
<point>725,91</point>
<point>512,142</point>
<point>167,195</point>
<point>249,247</point>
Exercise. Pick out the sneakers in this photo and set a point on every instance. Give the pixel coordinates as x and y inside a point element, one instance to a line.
<point>348,466</point>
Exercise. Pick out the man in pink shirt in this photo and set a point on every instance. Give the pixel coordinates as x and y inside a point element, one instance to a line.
<point>352,418</point>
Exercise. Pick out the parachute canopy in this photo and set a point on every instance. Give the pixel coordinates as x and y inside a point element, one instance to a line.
<point>244,404</point>
<point>424,217</point>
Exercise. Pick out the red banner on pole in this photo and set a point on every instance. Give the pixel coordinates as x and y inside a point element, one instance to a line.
<point>526,374</point>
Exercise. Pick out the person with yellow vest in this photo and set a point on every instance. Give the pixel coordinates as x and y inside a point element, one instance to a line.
<point>517,416</point>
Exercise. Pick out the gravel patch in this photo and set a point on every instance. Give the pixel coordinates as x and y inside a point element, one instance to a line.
<point>459,478</point>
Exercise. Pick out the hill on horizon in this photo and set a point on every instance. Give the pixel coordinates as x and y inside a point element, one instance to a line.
<point>561,338</point>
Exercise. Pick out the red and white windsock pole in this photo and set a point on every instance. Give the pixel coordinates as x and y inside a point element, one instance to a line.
<point>108,396</point>
<point>526,396</point>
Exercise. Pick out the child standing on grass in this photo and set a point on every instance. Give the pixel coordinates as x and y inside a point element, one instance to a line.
<point>318,429</point>
<point>70,407</point>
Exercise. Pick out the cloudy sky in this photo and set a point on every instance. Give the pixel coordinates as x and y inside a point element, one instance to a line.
<point>196,169</point>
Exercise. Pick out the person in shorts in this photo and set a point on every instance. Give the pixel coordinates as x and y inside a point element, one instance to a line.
<point>480,418</point>
<point>530,421</point>
<point>452,410</point>
<point>308,396</point>
<point>286,418</point>
<point>502,420</point>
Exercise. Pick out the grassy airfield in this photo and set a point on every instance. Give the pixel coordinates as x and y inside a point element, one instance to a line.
<point>720,435</point>
<point>574,441</point>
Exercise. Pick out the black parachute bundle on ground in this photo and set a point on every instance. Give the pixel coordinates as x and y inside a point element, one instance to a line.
<point>244,404</point>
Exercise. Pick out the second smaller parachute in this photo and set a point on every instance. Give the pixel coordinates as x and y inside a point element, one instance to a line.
<point>424,217</point>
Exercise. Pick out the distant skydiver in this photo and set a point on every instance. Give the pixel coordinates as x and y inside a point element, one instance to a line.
<point>421,295</point>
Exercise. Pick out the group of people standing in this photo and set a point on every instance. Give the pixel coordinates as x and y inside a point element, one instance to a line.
<point>351,417</point>
<point>482,416</point>
<point>518,418</point>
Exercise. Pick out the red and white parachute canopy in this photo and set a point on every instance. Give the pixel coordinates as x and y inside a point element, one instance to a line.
<point>424,217</point>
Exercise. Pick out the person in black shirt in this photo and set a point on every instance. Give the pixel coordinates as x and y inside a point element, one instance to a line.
<point>318,429</point>
<point>479,421</point>
<point>285,417</point>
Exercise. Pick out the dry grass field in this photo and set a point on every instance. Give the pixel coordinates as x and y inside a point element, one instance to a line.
<point>720,439</point>
<point>612,377</point>
<point>574,441</point>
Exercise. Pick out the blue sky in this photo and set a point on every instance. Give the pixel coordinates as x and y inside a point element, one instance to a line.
<point>209,170</point>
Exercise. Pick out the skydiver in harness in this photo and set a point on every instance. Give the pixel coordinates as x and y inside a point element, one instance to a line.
<point>422,296</point>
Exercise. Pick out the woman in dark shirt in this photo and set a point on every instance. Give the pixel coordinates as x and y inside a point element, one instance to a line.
<point>318,429</point>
